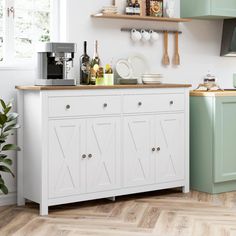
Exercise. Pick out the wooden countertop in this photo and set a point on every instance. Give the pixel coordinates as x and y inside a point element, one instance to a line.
<point>218,93</point>
<point>92,87</point>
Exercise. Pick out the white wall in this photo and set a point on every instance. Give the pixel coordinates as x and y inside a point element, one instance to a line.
<point>199,49</point>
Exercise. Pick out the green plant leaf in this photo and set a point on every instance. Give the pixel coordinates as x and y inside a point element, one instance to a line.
<point>6,169</point>
<point>12,116</point>
<point>4,136</point>
<point>10,127</point>
<point>3,104</point>
<point>10,147</point>
<point>1,180</point>
<point>3,155</point>
<point>6,161</point>
<point>6,110</point>
<point>3,119</point>
<point>4,189</point>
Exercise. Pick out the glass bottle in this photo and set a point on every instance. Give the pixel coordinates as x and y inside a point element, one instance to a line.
<point>129,10</point>
<point>84,66</point>
<point>136,8</point>
<point>95,64</point>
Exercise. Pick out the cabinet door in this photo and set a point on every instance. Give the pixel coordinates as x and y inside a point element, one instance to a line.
<point>226,8</point>
<point>66,146</point>
<point>103,150</point>
<point>225,139</point>
<point>170,162</point>
<point>138,157</point>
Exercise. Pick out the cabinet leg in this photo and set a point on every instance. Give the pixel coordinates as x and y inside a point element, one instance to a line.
<point>186,189</point>
<point>113,199</point>
<point>43,211</point>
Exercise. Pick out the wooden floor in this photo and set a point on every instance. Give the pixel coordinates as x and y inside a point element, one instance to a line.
<point>162,213</point>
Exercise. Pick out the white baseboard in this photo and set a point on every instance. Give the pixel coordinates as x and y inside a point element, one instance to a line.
<point>9,199</point>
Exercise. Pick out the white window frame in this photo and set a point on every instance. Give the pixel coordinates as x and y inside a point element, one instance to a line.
<point>56,32</point>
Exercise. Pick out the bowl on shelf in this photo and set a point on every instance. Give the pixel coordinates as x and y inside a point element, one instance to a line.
<point>152,78</point>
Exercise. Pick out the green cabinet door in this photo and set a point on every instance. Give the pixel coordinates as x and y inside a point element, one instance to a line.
<point>208,9</point>
<point>225,139</point>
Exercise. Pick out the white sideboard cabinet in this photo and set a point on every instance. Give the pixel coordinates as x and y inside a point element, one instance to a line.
<point>84,144</point>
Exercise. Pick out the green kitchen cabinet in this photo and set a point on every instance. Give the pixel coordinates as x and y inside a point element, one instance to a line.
<point>213,143</point>
<point>208,9</point>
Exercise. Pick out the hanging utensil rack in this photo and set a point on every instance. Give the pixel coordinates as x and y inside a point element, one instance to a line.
<point>157,31</point>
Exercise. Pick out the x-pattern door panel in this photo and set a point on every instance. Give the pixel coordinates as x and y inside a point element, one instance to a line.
<point>103,149</point>
<point>170,141</point>
<point>138,155</point>
<point>66,145</point>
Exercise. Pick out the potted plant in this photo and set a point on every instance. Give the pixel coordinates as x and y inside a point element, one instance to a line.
<point>8,123</point>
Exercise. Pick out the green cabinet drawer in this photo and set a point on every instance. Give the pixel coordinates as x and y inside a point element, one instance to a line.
<point>208,9</point>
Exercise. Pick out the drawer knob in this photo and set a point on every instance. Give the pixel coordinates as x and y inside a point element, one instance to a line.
<point>67,107</point>
<point>84,156</point>
<point>90,155</point>
<point>158,149</point>
<point>153,149</point>
<point>105,105</point>
<point>140,104</point>
<point>171,102</point>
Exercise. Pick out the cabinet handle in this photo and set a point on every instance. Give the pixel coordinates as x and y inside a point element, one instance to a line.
<point>67,107</point>
<point>153,149</point>
<point>140,104</point>
<point>90,155</point>
<point>158,149</point>
<point>171,102</point>
<point>84,156</point>
<point>105,105</point>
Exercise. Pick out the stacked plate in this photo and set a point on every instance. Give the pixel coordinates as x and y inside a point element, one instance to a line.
<point>152,78</point>
<point>107,10</point>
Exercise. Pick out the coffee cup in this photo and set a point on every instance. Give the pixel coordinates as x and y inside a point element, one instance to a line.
<point>135,35</point>
<point>145,36</point>
<point>154,36</point>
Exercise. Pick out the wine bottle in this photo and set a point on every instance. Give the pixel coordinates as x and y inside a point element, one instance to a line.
<point>136,8</point>
<point>84,66</point>
<point>95,64</point>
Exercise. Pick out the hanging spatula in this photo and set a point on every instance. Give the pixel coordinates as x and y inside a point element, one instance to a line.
<point>176,59</point>
<point>166,59</point>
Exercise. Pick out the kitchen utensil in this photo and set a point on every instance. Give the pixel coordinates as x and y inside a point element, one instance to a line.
<point>154,36</point>
<point>166,59</point>
<point>135,35</point>
<point>139,65</point>
<point>124,69</point>
<point>145,36</point>
<point>152,78</point>
<point>54,63</point>
<point>176,60</point>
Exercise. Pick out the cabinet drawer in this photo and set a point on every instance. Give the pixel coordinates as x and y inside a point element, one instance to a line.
<point>89,105</point>
<point>153,103</point>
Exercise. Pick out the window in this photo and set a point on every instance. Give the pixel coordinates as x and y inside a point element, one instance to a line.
<point>24,23</point>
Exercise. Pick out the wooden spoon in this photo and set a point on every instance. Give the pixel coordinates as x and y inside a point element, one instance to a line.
<point>176,59</point>
<point>166,59</point>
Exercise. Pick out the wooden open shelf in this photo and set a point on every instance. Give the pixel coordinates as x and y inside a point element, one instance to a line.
<point>142,18</point>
